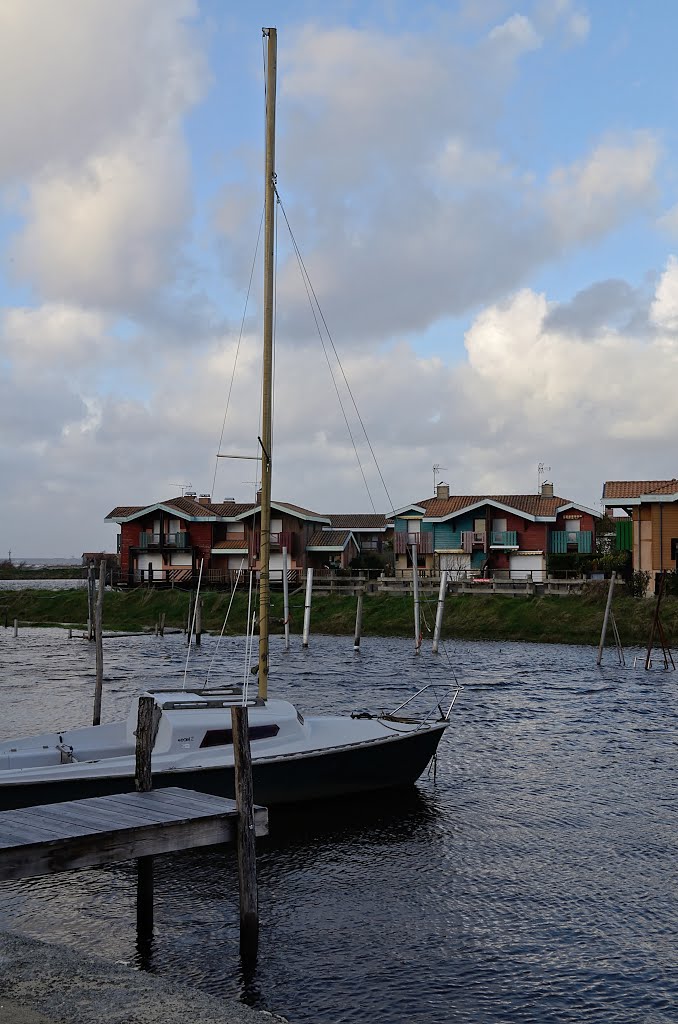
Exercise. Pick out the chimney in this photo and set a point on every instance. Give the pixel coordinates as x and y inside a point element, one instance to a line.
<point>190,494</point>
<point>442,491</point>
<point>547,489</point>
<point>204,499</point>
<point>258,498</point>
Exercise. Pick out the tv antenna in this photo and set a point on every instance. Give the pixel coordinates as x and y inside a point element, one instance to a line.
<point>436,472</point>
<point>184,487</point>
<point>542,470</point>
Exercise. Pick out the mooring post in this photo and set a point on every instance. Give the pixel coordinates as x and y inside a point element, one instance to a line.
<point>442,593</point>
<point>99,637</point>
<point>16,627</point>
<point>247,859</point>
<point>307,607</point>
<point>358,621</point>
<point>162,624</point>
<point>148,718</point>
<point>286,599</point>
<point>415,593</point>
<point>198,621</point>
<point>90,603</point>
<point>606,616</point>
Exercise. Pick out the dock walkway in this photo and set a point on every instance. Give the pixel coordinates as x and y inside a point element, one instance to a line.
<point>106,829</point>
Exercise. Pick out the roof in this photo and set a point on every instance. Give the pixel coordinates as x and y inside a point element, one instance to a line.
<point>329,540</point>
<point>635,488</point>
<point>357,521</point>
<point>535,506</point>
<point>235,544</point>
<point>188,508</point>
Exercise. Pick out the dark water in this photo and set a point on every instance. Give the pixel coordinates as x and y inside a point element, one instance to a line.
<point>534,881</point>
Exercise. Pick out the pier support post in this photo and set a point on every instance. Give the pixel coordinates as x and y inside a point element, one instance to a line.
<point>16,627</point>
<point>198,621</point>
<point>247,860</point>
<point>307,607</point>
<point>148,720</point>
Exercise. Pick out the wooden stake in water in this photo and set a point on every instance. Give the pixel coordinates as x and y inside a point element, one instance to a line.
<point>286,599</point>
<point>247,858</point>
<point>307,607</point>
<point>358,622</point>
<point>198,621</point>
<point>606,617</point>
<point>442,593</point>
<point>90,603</point>
<point>415,591</point>
<point>99,638</point>
<point>16,627</point>
<point>147,725</point>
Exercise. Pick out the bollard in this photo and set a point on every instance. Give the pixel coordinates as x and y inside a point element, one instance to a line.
<point>247,862</point>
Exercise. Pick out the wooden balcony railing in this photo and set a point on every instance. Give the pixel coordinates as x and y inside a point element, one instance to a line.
<point>404,541</point>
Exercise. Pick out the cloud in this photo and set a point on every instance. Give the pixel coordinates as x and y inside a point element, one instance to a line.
<point>592,196</point>
<point>664,309</point>
<point>56,336</point>
<point>81,76</point>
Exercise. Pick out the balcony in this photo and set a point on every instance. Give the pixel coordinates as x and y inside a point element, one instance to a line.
<point>178,540</point>
<point>472,540</point>
<point>404,541</point>
<point>504,539</point>
<point>564,541</point>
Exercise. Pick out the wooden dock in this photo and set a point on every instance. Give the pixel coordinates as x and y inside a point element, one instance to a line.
<point>101,830</point>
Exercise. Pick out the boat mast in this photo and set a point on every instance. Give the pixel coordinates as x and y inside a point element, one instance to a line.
<point>267,383</point>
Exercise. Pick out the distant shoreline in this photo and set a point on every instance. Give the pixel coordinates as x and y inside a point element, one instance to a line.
<point>575,619</point>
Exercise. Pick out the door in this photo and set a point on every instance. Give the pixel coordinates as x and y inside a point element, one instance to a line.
<point>525,567</point>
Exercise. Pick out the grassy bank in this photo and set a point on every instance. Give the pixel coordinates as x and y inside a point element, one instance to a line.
<point>575,619</point>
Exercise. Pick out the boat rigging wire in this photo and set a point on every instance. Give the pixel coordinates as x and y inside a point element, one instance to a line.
<point>192,623</point>
<point>315,305</point>
<point>228,612</point>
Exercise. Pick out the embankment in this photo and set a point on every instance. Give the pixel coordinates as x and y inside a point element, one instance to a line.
<point>575,619</point>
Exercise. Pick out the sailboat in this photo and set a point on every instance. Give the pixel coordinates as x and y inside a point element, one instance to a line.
<point>294,757</point>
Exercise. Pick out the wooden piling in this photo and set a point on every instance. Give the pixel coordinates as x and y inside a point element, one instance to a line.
<point>147,726</point>
<point>286,599</point>
<point>415,592</point>
<point>247,863</point>
<point>606,616</point>
<point>198,621</point>
<point>16,627</point>
<point>442,593</point>
<point>307,607</point>
<point>90,603</point>
<point>358,621</point>
<point>99,638</point>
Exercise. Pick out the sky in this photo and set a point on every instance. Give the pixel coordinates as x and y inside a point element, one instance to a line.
<point>484,195</point>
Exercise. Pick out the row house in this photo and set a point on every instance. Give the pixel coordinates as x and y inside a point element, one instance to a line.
<point>649,524</point>
<point>510,534</point>
<point>168,541</point>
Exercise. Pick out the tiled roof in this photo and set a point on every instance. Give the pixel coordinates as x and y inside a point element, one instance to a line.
<point>122,511</point>
<point>531,504</point>
<point>634,488</point>
<point>232,508</point>
<point>331,539</point>
<point>239,544</point>
<point>358,521</point>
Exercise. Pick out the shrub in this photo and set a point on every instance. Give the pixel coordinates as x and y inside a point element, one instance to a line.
<point>637,583</point>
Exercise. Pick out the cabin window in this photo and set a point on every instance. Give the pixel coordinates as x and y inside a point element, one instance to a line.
<point>224,737</point>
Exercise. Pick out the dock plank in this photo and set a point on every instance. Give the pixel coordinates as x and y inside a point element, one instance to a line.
<point>108,829</point>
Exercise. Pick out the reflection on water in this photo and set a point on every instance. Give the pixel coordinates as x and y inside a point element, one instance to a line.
<point>531,882</point>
